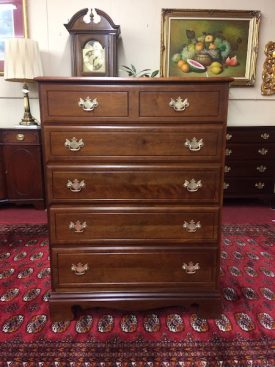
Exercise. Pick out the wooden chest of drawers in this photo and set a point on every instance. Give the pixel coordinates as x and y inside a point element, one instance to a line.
<point>250,162</point>
<point>134,176</point>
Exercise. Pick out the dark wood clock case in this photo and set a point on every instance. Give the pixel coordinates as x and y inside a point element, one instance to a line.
<point>93,43</point>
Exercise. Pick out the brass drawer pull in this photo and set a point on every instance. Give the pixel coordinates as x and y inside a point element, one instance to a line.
<point>228,136</point>
<point>79,269</point>
<point>228,152</point>
<point>259,185</point>
<point>20,137</point>
<point>179,104</point>
<point>192,185</point>
<point>225,185</point>
<point>265,136</point>
<point>87,104</point>
<point>191,268</point>
<point>263,151</point>
<point>194,145</point>
<point>74,145</point>
<point>227,169</point>
<point>77,226</point>
<point>191,226</point>
<point>261,169</point>
<point>75,185</point>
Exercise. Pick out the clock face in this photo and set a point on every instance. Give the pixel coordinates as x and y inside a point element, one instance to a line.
<point>93,55</point>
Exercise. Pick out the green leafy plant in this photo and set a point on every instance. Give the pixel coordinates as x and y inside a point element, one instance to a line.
<point>132,71</point>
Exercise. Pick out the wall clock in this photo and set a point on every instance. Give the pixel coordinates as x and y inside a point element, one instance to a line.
<point>93,43</point>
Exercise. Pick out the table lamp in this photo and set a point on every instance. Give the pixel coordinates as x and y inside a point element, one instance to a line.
<point>22,63</point>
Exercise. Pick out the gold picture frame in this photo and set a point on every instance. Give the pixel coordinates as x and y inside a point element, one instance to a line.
<point>210,43</point>
<point>268,75</point>
<point>13,17</point>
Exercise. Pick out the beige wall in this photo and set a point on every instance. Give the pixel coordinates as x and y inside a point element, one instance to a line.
<point>140,22</point>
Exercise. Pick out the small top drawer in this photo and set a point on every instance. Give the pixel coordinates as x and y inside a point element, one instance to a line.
<point>20,136</point>
<point>68,103</point>
<point>203,104</point>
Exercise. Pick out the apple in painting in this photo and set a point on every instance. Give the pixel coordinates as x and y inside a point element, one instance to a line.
<point>231,61</point>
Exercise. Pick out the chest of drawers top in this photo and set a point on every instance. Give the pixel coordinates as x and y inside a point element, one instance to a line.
<point>76,100</point>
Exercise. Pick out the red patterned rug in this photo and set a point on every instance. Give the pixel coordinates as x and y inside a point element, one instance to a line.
<point>242,336</point>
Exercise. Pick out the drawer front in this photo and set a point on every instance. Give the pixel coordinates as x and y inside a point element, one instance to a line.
<point>248,186</point>
<point>263,151</point>
<point>139,143</point>
<point>251,135</point>
<point>69,103</point>
<point>201,104</point>
<point>19,136</point>
<point>260,169</point>
<point>89,269</point>
<point>134,183</point>
<point>141,224</point>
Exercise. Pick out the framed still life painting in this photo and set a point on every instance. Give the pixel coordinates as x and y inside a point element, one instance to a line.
<point>210,43</point>
<point>13,23</point>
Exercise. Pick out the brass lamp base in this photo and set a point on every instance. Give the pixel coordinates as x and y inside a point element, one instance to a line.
<point>27,119</point>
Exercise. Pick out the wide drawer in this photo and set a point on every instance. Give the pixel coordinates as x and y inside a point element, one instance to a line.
<point>76,225</point>
<point>19,136</point>
<point>261,168</point>
<point>86,268</point>
<point>264,134</point>
<point>248,186</point>
<point>173,182</point>
<point>84,103</point>
<point>262,151</point>
<point>189,143</point>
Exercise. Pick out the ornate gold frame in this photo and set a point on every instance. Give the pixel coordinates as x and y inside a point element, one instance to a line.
<point>268,85</point>
<point>182,18</point>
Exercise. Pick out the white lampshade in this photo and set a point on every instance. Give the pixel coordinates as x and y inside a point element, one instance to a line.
<point>22,60</point>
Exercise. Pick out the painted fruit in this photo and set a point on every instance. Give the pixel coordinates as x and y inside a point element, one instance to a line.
<point>216,64</point>
<point>216,70</point>
<point>216,67</point>
<point>195,66</point>
<point>180,63</point>
<point>231,61</point>
<point>199,46</point>
<point>185,68</point>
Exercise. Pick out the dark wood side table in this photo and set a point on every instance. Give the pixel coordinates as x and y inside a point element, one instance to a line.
<point>21,173</point>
